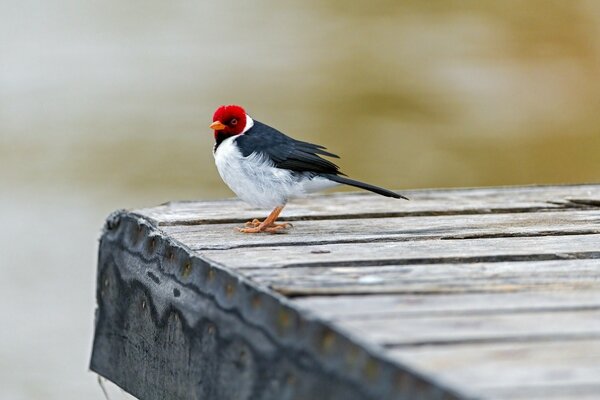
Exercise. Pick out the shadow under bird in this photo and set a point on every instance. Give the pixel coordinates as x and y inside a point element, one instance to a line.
<point>265,167</point>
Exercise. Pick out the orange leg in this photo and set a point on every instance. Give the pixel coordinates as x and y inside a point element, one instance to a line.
<point>268,225</point>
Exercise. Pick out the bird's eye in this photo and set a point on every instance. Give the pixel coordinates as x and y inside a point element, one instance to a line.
<point>233,122</point>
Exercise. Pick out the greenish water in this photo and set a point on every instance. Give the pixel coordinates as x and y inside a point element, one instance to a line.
<point>106,105</point>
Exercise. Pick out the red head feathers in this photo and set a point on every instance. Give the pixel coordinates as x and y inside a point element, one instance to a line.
<point>229,120</point>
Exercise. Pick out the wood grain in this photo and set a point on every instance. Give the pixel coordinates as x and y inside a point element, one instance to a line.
<point>363,204</point>
<point>455,329</point>
<point>426,305</point>
<point>224,237</point>
<point>513,370</point>
<point>494,291</point>
<point>410,252</point>
<point>434,278</point>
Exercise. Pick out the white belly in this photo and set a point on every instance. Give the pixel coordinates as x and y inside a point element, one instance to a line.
<point>255,180</point>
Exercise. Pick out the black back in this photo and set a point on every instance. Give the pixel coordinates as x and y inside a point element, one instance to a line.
<point>286,152</point>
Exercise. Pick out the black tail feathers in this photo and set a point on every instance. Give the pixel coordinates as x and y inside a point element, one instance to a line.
<point>362,185</point>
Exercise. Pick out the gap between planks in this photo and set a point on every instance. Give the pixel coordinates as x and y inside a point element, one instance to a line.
<point>586,255</point>
<point>391,238</point>
<point>453,330</point>
<point>379,215</point>
<point>497,277</point>
<point>423,305</point>
<point>411,252</point>
<point>352,205</point>
<point>541,338</point>
<point>395,230</point>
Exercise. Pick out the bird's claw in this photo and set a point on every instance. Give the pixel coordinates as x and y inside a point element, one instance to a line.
<point>273,228</point>
<point>254,223</point>
<point>281,226</point>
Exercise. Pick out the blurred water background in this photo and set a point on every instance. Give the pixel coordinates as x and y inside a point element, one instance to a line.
<point>105,105</point>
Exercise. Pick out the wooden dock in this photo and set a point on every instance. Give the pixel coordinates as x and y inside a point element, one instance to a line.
<point>478,293</point>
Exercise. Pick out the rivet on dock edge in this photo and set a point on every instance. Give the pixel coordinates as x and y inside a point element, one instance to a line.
<point>256,301</point>
<point>283,318</point>
<point>186,269</point>
<point>327,340</point>
<point>210,275</point>
<point>135,233</point>
<point>229,289</point>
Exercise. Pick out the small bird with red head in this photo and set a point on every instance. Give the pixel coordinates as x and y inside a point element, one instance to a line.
<point>265,167</point>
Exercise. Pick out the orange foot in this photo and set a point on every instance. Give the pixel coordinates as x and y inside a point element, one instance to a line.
<point>268,225</point>
<point>256,226</point>
<point>254,223</point>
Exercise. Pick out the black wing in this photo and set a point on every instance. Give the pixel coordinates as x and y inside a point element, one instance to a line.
<point>285,152</point>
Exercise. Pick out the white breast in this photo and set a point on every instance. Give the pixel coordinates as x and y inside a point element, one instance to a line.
<point>255,180</point>
<point>252,178</point>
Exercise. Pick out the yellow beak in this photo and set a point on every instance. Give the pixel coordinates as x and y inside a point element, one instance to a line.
<point>217,126</point>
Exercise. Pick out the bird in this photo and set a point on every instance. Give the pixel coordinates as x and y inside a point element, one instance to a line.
<point>264,167</point>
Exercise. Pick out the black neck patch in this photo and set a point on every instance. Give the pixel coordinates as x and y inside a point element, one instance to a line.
<point>219,137</point>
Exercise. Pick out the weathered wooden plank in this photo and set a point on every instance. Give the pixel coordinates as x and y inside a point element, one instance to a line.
<point>432,278</point>
<point>427,305</point>
<point>513,370</point>
<point>422,202</point>
<point>452,329</point>
<point>487,284</point>
<point>203,237</point>
<point>547,392</point>
<point>173,325</point>
<point>408,252</point>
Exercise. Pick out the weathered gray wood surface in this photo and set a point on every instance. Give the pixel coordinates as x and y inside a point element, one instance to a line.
<point>484,293</point>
